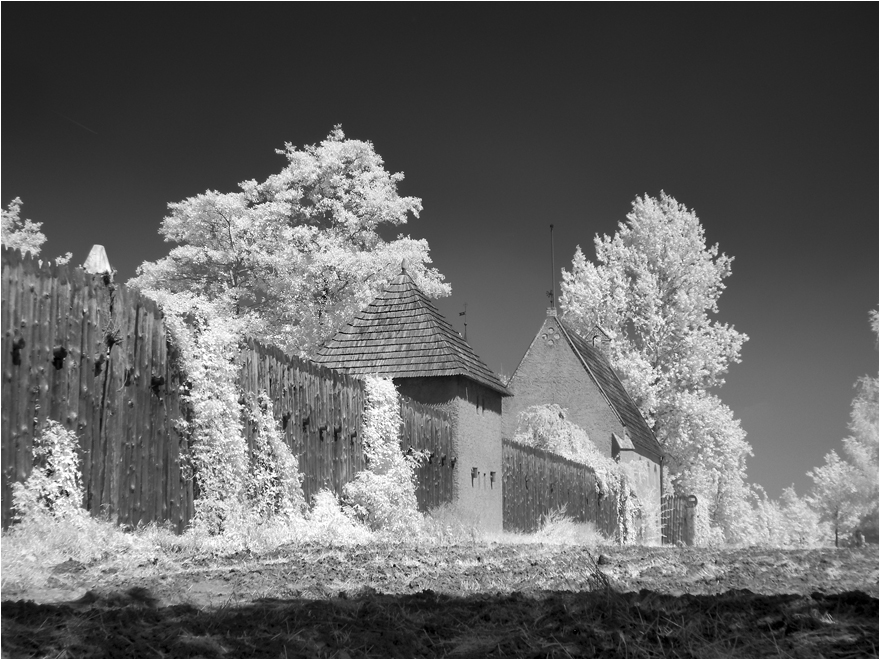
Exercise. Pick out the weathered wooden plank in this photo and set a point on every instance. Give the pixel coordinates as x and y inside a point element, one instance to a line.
<point>91,391</point>
<point>74,347</point>
<point>58,399</point>
<point>175,506</point>
<point>24,427</point>
<point>107,392</point>
<point>47,367</point>
<point>12,293</point>
<point>124,446</point>
<point>140,455</point>
<point>160,420</point>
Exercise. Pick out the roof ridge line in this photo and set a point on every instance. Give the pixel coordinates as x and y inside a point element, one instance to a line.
<point>625,391</point>
<point>565,331</point>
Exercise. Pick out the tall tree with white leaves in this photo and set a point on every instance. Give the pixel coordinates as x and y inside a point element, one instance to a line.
<point>299,254</point>
<point>654,289</point>
<point>845,489</point>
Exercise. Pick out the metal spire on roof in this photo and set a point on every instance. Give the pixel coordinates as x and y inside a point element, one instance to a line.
<point>552,271</point>
<point>464,314</point>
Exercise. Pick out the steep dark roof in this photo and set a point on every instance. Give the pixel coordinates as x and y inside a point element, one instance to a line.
<point>597,365</point>
<point>401,334</point>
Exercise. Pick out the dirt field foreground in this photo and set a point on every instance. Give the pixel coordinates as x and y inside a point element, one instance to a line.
<point>495,600</point>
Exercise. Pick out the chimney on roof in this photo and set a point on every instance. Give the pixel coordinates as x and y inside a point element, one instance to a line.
<point>404,265</point>
<point>601,340</point>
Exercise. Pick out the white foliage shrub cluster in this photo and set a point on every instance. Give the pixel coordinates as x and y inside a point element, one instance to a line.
<point>208,343</point>
<point>546,427</point>
<point>234,491</point>
<point>17,233</point>
<point>331,522</point>
<point>54,487</point>
<point>384,495</point>
<point>274,488</point>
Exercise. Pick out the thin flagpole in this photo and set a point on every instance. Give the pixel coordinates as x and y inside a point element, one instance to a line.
<point>552,272</point>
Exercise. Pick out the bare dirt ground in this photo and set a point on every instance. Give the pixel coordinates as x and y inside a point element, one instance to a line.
<point>495,600</point>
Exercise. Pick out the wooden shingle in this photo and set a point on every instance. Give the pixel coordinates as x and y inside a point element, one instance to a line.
<point>606,378</point>
<point>402,335</point>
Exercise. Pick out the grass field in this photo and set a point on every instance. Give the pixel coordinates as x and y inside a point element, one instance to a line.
<point>556,595</point>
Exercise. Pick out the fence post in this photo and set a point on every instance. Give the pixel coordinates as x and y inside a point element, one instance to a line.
<point>690,519</point>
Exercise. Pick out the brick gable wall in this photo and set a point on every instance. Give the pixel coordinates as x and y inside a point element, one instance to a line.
<point>550,372</point>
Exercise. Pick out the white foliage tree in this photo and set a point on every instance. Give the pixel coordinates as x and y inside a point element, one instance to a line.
<point>655,288</point>
<point>299,254</point>
<point>787,522</point>
<point>834,494</point>
<point>845,489</point>
<point>21,234</point>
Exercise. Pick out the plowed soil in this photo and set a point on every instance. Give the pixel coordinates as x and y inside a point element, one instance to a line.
<point>461,601</point>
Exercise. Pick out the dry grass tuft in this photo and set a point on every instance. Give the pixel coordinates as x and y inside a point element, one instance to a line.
<point>33,550</point>
<point>558,529</point>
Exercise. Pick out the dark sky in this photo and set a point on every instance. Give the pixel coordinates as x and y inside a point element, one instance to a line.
<point>505,119</point>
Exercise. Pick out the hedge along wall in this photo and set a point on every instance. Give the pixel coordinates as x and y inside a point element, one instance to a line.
<point>93,356</point>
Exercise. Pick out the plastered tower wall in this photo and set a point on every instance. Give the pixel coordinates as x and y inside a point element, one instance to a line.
<point>550,372</point>
<point>475,414</point>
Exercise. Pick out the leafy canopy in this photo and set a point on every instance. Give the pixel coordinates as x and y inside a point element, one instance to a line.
<point>654,289</point>
<point>299,254</point>
<point>21,234</point>
<point>845,488</point>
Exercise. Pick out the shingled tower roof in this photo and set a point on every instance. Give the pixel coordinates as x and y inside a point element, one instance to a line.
<point>402,335</point>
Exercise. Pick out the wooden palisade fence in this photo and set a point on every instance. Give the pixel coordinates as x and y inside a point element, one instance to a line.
<point>93,356</point>
<point>538,482</point>
<point>429,430</point>
<point>321,410</point>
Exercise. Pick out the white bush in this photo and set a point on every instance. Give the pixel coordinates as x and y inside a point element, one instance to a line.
<point>327,522</point>
<point>54,487</point>
<point>384,495</point>
<point>274,486</point>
